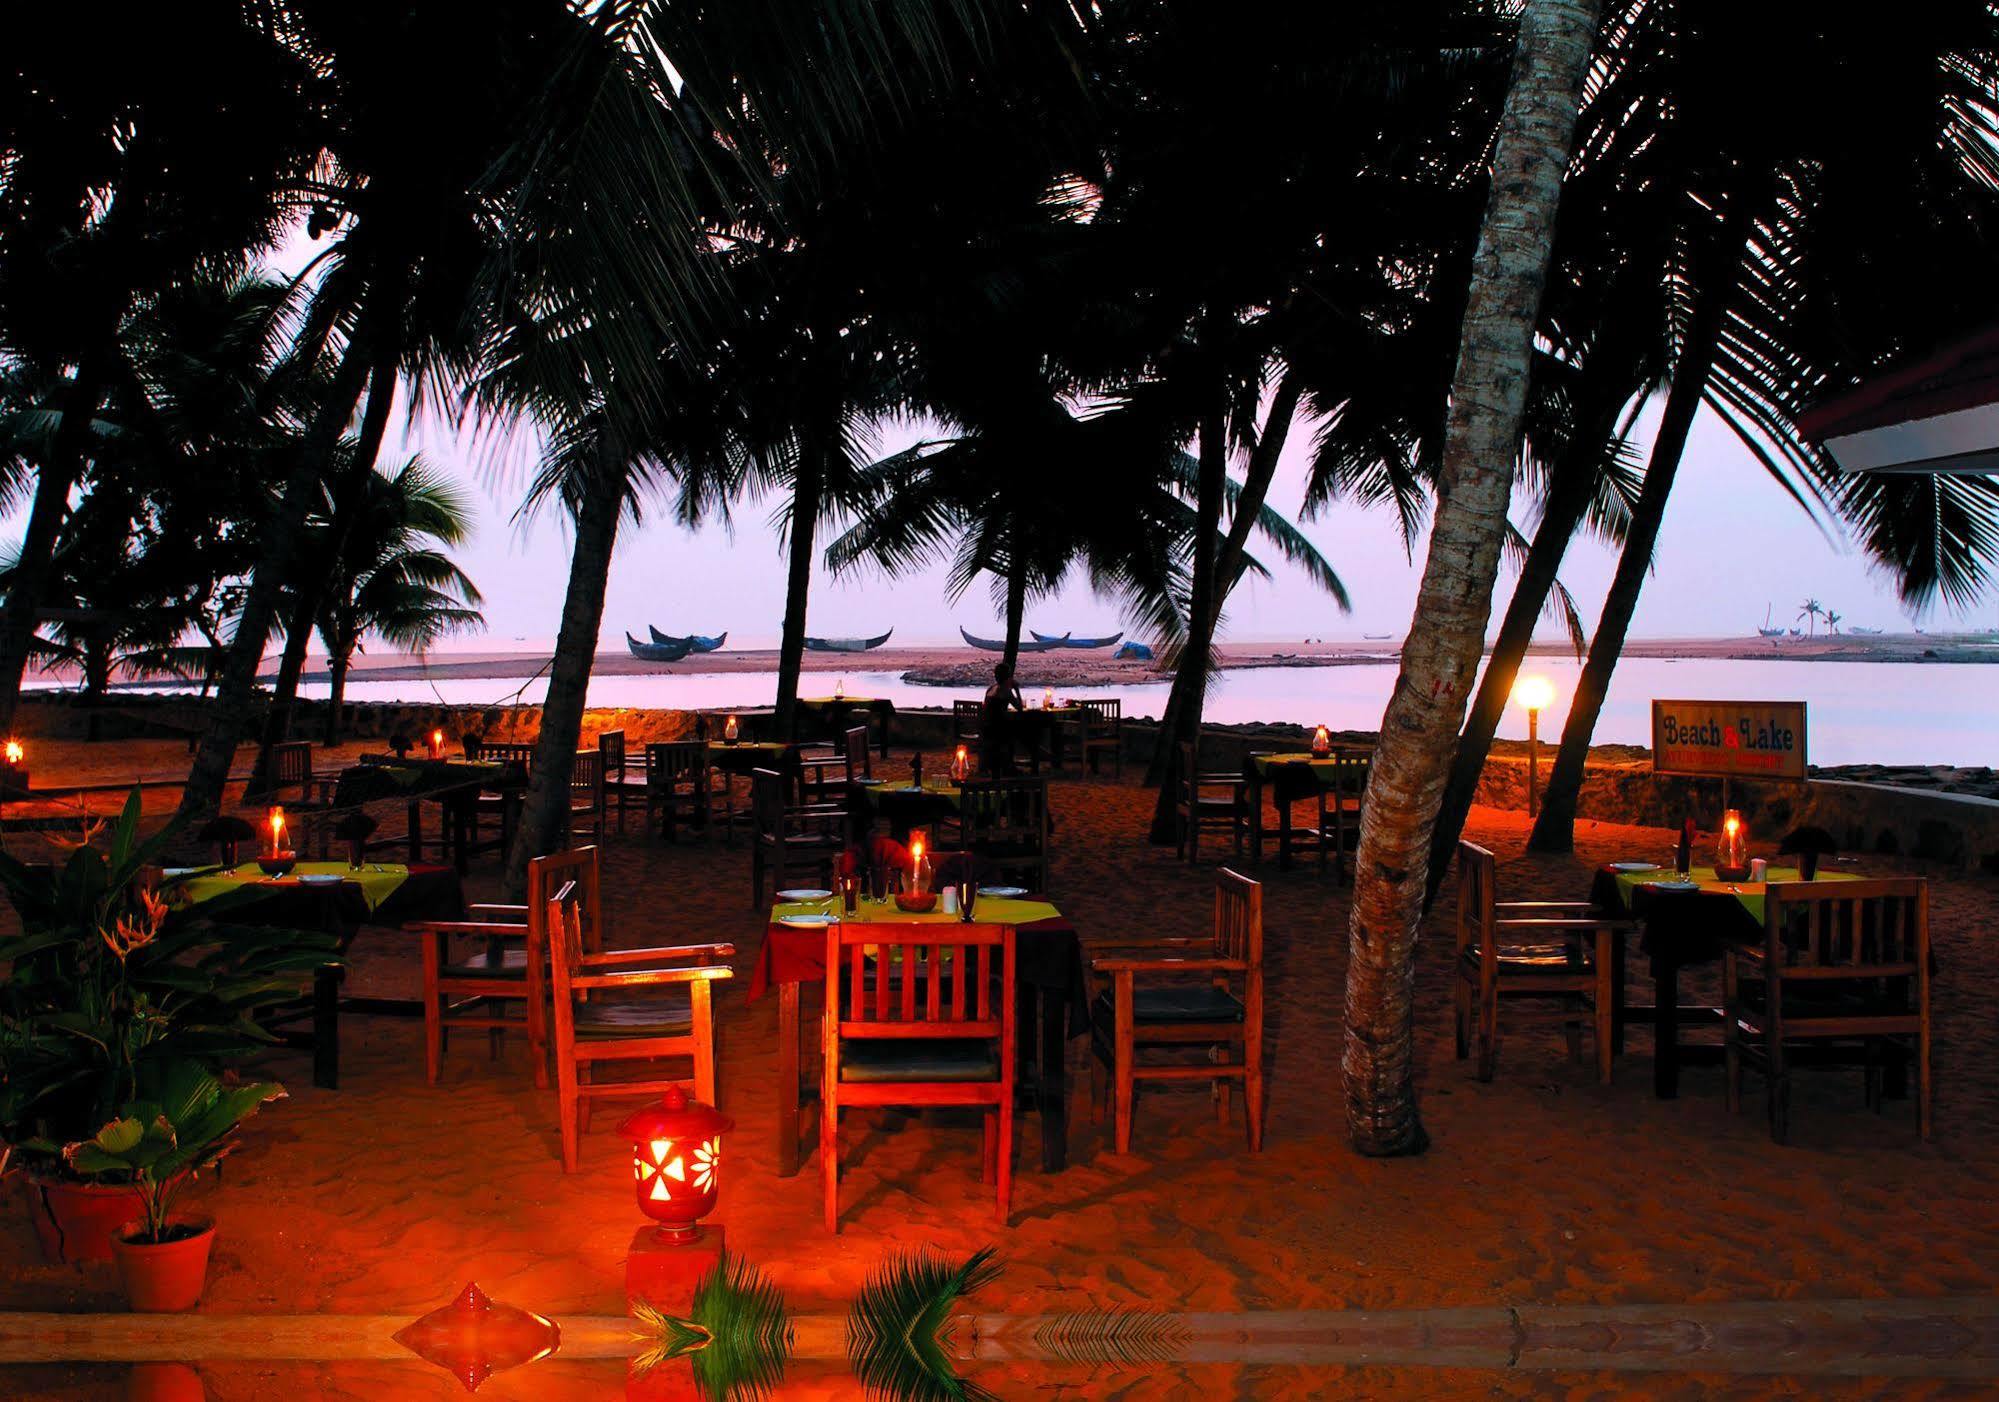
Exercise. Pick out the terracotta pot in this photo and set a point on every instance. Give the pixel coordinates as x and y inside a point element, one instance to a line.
<point>166,1278</point>
<point>76,1221</point>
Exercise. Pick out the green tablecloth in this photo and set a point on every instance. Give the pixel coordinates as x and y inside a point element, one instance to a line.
<point>1748,894</point>
<point>987,910</point>
<point>745,755</point>
<point>376,881</point>
<point>364,783</point>
<point>945,792</point>
<point>1298,768</point>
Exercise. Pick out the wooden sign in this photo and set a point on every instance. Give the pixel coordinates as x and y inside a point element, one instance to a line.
<point>1729,739</point>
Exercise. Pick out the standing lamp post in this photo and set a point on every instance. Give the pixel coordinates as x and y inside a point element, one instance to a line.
<point>1533,694</point>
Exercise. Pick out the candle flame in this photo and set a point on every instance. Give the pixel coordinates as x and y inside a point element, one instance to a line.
<point>277,830</point>
<point>14,752</point>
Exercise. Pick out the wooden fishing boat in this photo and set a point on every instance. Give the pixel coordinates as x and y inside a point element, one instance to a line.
<point>1032,643</point>
<point>657,652</point>
<point>693,640</point>
<point>1066,641</point>
<point>846,644</point>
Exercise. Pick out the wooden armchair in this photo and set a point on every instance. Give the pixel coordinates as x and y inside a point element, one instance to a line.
<point>1563,952</point>
<point>1100,731</point>
<point>509,965</point>
<point>807,836</point>
<point>1205,994</point>
<point>1209,803</point>
<point>677,785</point>
<point>642,1005</point>
<point>1004,824</point>
<point>1842,977</point>
<point>927,1019</point>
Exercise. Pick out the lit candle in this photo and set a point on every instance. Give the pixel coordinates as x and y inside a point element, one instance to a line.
<point>1048,698</point>
<point>437,744</point>
<point>277,831</point>
<point>960,763</point>
<point>840,689</point>
<point>919,866</point>
<point>1322,741</point>
<point>14,754</point>
<point>730,730</point>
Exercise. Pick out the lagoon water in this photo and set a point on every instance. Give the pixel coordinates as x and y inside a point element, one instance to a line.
<point>1858,712</point>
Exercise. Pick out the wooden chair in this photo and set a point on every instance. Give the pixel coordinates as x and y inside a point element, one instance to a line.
<point>624,782</point>
<point>1335,827</point>
<point>586,794</point>
<point>1100,731</point>
<point>926,1020</point>
<point>1191,1000</point>
<point>858,756</point>
<point>491,804</point>
<point>1003,823</point>
<point>672,1016</point>
<point>965,717</point>
<point>1209,802</point>
<point>1842,977</point>
<point>677,785</point>
<point>1562,951</point>
<point>791,835</point>
<point>291,769</point>
<point>510,965</point>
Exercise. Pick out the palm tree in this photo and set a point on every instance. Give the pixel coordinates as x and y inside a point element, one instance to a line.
<point>122,178</point>
<point>1831,621</point>
<point>385,578</point>
<point>1446,634</point>
<point>1810,610</point>
<point>1832,209</point>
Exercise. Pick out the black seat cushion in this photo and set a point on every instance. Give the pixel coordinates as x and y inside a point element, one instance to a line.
<point>612,1018</point>
<point>886,1059</point>
<point>1527,960</point>
<point>511,963</point>
<point>1169,1003</point>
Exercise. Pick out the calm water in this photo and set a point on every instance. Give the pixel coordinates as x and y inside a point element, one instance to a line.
<point>1860,712</point>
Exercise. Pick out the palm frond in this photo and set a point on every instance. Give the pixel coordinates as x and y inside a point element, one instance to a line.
<point>736,1336</point>
<point>898,1323</point>
<point>1114,1337</point>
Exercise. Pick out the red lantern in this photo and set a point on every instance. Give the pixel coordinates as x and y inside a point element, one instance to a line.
<point>676,1163</point>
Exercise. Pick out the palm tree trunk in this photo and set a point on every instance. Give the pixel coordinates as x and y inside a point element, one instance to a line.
<point>797,585</point>
<point>1554,829</point>
<point>1568,502</point>
<point>1447,632</point>
<point>31,570</point>
<point>546,808</point>
<point>1203,608</point>
<point>235,688</point>
<point>309,589</point>
<point>1016,608</point>
<point>1255,490</point>
<point>336,694</point>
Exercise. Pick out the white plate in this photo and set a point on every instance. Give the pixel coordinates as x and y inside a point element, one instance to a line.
<point>1634,866</point>
<point>805,893</point>
<point>321,878</point>
<point>808,922</point>
<point>1674,885</point>
<point>1003,893</point>
<point>869,783</point>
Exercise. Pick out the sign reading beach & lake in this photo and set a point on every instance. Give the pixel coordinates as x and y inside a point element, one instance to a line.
<point>1729,739</point>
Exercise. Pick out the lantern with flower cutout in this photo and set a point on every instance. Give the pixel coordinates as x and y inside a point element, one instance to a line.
<point>676,1163</point>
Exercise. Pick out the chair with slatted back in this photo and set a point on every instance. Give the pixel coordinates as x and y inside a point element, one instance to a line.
<point>859,758</point>
<point>1551,960</point>
<point>586,795</point>
<point>1344,799</point>
<point>493,805</point>
<point>623,779</point>
<point>1841,977</point>
<point>1210,802</point>
<point>965,718</point>
<point>625,1005</point>
<point>1101,732</point>
<point>919,1015</point>
<point>1179,995</point>
<point>291,769</point>
<point>791,836</point>
<point>1004,824</point>
<point>509,964</point>
<point>677,785</point>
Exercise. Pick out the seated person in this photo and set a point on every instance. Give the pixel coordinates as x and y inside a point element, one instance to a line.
<point>996,721</point>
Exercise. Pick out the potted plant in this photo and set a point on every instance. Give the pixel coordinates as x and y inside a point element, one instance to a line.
<point>157,1145</point>
<point>109,981</point>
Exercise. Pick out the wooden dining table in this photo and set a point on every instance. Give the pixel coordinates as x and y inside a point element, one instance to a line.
<point>1293,777</point>
<point>1688,920</point>
<point>1051,993</point>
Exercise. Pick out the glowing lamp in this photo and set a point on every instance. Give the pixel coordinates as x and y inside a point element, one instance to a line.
<point>437,744</point>
<point>1322,742</point>
<point>16,773</point>
<point>1731,849</point>
<point>1047,698</point>
<point>919,862</point>
<point>15,754</point>
<point>280,859</point>
<point>961,764</point>
<point>276,826</point>
<point>840,689</point>
<point>1533,694</point>
<point>676,1163</point>
<point>730,730</point>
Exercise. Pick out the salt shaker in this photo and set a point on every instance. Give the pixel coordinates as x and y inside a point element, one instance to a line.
<point>1759,869</point>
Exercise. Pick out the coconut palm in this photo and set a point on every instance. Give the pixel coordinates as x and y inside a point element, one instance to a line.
<point>1447,632</point>
<point>1831,621</point>
<point>384,575</point>
<point>121,178</point>
<point>1810,610</point>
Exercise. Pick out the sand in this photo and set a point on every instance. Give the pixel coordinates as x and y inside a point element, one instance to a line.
<point>1541,1187</point>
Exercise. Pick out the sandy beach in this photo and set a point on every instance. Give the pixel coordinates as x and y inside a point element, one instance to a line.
<point>1541,1187</point>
